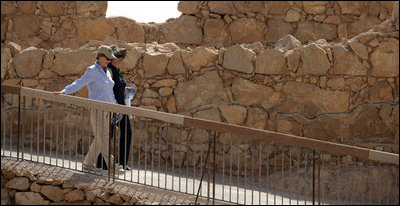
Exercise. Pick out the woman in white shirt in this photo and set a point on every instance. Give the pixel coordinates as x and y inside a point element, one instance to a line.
<point>100,85</point>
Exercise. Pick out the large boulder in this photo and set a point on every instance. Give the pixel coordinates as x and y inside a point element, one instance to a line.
<point>199,57</point>
<point>385,59</point>
<point>314,60</point>
<point>205,89</point>
<point>184,29</point>
<point>271,61</point>
<point>94,29</point>
<point>28,63</point>
<point>72,62</point>
<point>239,59</point>
<point>247,30</point>
<point>154,64</point>
<point>247,93</point>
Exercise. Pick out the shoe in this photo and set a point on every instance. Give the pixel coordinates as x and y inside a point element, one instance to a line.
<point>128,168</point>
<point>90,167</point>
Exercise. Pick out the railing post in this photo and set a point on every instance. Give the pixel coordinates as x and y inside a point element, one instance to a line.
<point>109,146</point>
<point>214,167</point>
<point>19,124</point>
<point>313,179</point>
<point>204,167</point>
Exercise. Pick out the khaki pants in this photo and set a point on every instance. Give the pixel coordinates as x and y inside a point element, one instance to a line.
<point>100,122</point>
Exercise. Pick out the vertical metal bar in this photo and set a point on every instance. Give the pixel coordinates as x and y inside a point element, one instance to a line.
<point>173,159</point>
<point>23,128</point>
<point>194,165</point>
<point>19,125</point>
<point>126,118</point>
<point>238,169</point>
<point>201,159</point>
<point>76,139</point>
<point>298,174</point>
<point>259,173</point>
<point>51,130</point>
<point>319,178</point>
<point>115,146</point>
<point>44,132</point>
<point>252,176</point>
<point>70,137</point>
<point>290,173</point>
<point>180,159</point>
<point>223,166</point>
<point>275,162</point>
<point>63,135</point>
<point>139,146</point>
<point>83,136</point>
<point>11,129</point>
<point>132,142</point>
<point>268,154</point>
<point>283,177</point>
<point>166,159</point>
<point>245,171</point>
<point>187,158</point>
<point>145,152</point>
<point>109,143</point>
<point>32,114</point>
<point>313,178</point>
<point>152,150</point>
<point>338,187</point>
<point>214,166</point>
<point>38,133</point>
<point>230,168</point>
<point>202,174</point>
<point>159,154</point>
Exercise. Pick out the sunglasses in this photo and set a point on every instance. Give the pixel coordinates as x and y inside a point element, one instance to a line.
<point>119,55</point>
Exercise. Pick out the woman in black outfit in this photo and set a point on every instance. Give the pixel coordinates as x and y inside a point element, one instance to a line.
<point>124,124</point>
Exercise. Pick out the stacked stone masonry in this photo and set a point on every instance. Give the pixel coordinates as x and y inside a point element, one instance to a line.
<point>324,70</point>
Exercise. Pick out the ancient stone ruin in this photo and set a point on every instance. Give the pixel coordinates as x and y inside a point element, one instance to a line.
<point>327,70</point>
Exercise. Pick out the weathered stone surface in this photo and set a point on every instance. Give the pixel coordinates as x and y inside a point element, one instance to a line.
<point>310,31</point>
<point>247,93</point>
<point>29,198</point>
<point>84,8</point>
<point>293,59</point>
<point>365,117</point>
<point>205,89</point>
<point>314,7</point>
<point>359,49</point>
<point>395,15</point>
<point>8,7</point>
<point>86,30</point>
<point>352,7</point>
<point>234,114</point>
<point>324,128</point>
<point>165,91</point>
<point>26,26</point>
<point>29,62</point>
<point>314,60</point>
<point>131,59</point>
<point>175,64</point>
<point>128,30</point>
<point>222,7</point>
<point>154,64</point>
<point>165,83</point>
<point>188,7</point>
<point>306,96</point>
<point>183,30</point>
<point>53,8</point>
<point>239,59</point>
<point>336,83</point>
<point>271,61</point>
<point>288,42</point>
<point>344,62</point>
<point>199,57</point>
<point>65,60</point>
<point>277,29</point>
<point>385,59</point>
<point>248,6</point>
<point>54,193</point>
<point>292,16</point>
<point>171,104</point>
<point>216,31</point>
<point>381,92</point>
<point>277,8</point>
<point>75,195</point>
<point>5,57</point>
<point>363,25</point>
<point>256,118</point>
<point>247,30</point>
<point>18,183</point>
<point>209,114</point>
<point>27,7</point>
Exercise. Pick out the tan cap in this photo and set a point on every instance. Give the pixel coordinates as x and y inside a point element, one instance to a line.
<point>106,51</point>
<point>117,50</point>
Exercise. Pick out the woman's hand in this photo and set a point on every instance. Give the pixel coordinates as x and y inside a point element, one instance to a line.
<point>58,92</point>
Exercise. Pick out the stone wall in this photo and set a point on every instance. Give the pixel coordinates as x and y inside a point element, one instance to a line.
<point>214,23</point>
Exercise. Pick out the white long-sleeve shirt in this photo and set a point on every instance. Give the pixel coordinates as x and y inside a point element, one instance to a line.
<point>99,83</point>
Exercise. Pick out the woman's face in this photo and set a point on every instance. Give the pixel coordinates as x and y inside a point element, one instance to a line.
<point>117,60</point>
<point>103,61</point>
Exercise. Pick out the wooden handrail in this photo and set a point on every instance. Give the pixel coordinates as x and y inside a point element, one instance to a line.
<point>251,133</point>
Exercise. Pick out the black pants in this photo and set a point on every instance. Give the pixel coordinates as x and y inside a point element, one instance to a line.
<point>124,128</point>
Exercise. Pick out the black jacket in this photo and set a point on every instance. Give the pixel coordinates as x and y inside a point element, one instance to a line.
<point>119,84</point>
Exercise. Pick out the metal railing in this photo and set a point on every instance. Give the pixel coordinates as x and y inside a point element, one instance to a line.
<point>205,158</point>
